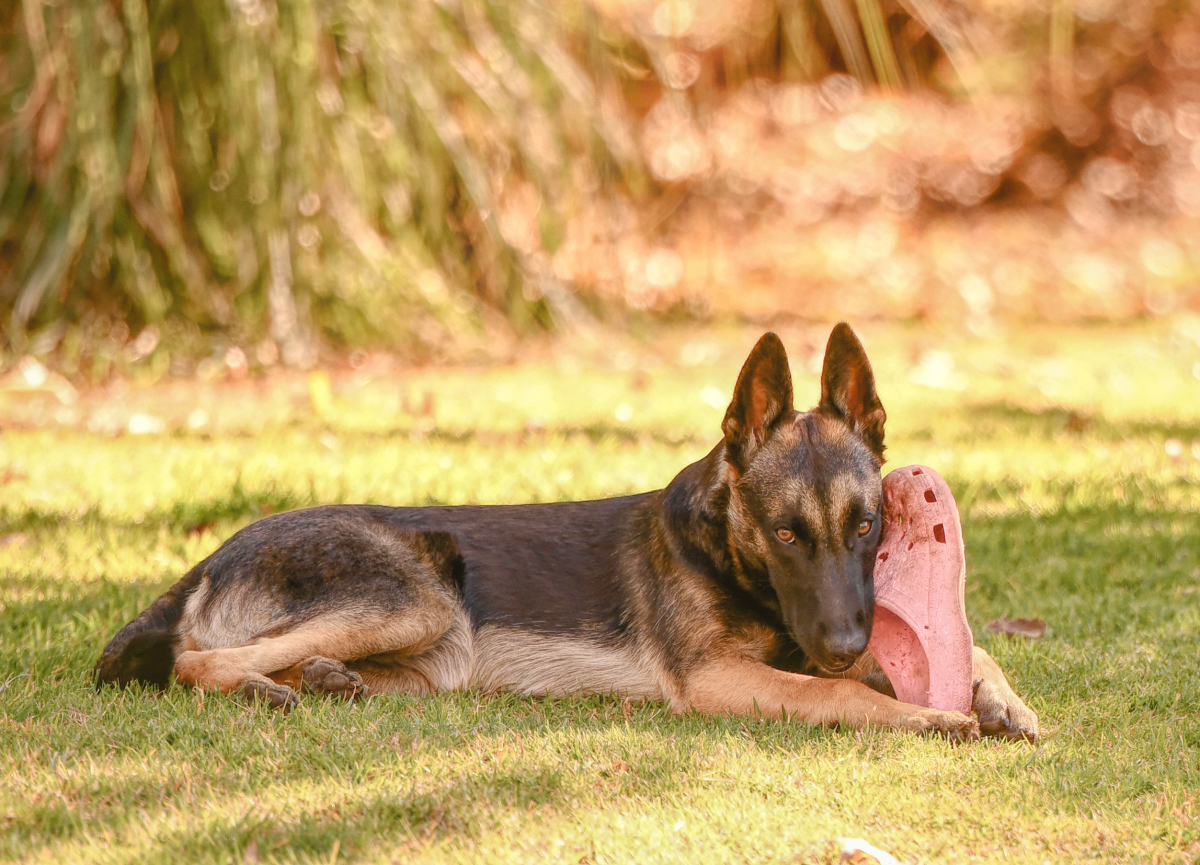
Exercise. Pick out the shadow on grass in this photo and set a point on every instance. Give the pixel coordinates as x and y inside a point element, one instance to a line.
<point>415,806</point>
<point>456,808</point>
<point>596,432</point>
<point>988,420</point>
<point>187,516</point>
<point>1086,550</point>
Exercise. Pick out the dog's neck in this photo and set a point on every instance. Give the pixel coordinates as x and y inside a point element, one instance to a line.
<point>693,514</point>
<point>695,517</point>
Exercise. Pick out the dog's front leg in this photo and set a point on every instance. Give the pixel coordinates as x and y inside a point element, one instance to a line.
<point>1001,712</point>
<point>744,687</point>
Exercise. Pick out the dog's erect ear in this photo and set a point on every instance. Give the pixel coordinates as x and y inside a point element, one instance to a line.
<point>848,387</point>
<point>763,394</point>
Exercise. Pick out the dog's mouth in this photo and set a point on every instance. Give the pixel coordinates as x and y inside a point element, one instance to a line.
<point>835,669</point>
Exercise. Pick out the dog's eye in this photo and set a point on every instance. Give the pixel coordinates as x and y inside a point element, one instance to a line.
<point>864,527</point>
<point>786,535</point>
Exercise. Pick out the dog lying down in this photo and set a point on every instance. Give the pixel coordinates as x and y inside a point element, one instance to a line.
<point>745,586</point>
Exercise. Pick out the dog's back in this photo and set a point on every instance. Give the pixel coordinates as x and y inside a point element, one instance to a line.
<point>550,568</point>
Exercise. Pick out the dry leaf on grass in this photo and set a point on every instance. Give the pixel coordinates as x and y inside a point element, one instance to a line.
<point>13,539</point>
<point>1031,628</point>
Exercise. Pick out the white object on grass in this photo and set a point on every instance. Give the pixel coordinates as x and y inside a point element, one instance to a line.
<point>850,846</point>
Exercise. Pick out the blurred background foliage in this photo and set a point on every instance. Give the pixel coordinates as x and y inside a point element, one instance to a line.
<point>264,180</point>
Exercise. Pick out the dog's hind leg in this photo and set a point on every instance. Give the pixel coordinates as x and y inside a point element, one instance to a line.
<point>312,655</point>
<point>324,676</point>
<point>446,665</point>
<point>290,602</point>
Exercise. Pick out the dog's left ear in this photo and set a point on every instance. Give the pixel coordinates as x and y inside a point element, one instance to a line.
<point>848,387</point>
<point>762,396</point>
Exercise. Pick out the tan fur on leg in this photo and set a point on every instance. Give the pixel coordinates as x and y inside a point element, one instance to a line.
<point>392,679</point>
<point>744,687</point>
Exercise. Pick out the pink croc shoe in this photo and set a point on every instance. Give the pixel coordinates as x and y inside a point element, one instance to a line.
<point>920,637</point>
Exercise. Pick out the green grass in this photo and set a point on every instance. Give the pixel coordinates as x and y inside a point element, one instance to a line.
<point>1074,511</point>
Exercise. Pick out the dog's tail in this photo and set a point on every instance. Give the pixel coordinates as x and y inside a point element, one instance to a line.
<point>144,650</point>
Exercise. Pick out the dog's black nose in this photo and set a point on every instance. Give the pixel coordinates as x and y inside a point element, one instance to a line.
<point>843,647</point>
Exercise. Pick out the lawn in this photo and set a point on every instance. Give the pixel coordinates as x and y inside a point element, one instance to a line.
<point>1075,458</point>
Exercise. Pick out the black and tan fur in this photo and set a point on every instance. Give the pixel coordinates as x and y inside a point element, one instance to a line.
<point>745,586</point>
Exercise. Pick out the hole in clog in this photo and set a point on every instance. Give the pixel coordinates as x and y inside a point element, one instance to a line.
<point>883,557</point>
<point>929,496</point>
<point>917,472</point>
<point>939,533</point>
<point>910,545</point>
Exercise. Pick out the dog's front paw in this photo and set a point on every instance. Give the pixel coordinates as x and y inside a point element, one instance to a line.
<point>955,726</point>
<point>1002,713</point>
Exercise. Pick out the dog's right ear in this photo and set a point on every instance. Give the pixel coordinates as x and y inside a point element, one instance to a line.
<point>762,396</point>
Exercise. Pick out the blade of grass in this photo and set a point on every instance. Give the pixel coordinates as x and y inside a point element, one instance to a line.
<point>849,38</point>
<point>879,43</point>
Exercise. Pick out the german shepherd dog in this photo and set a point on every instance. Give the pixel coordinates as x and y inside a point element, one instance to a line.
<point>745,586</point>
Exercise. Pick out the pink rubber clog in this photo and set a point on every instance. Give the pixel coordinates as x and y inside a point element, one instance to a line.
<point>921,638</point>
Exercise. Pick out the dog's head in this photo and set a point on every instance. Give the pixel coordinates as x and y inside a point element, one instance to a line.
<point>805,494</point>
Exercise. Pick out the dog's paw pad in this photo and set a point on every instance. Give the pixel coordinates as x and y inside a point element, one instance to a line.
<point>955,726</point>
<point>1003,715</point>
<point>326,676</point>
<point>1010,723</point>
<point>278,696</point>
<point>964,731</point>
